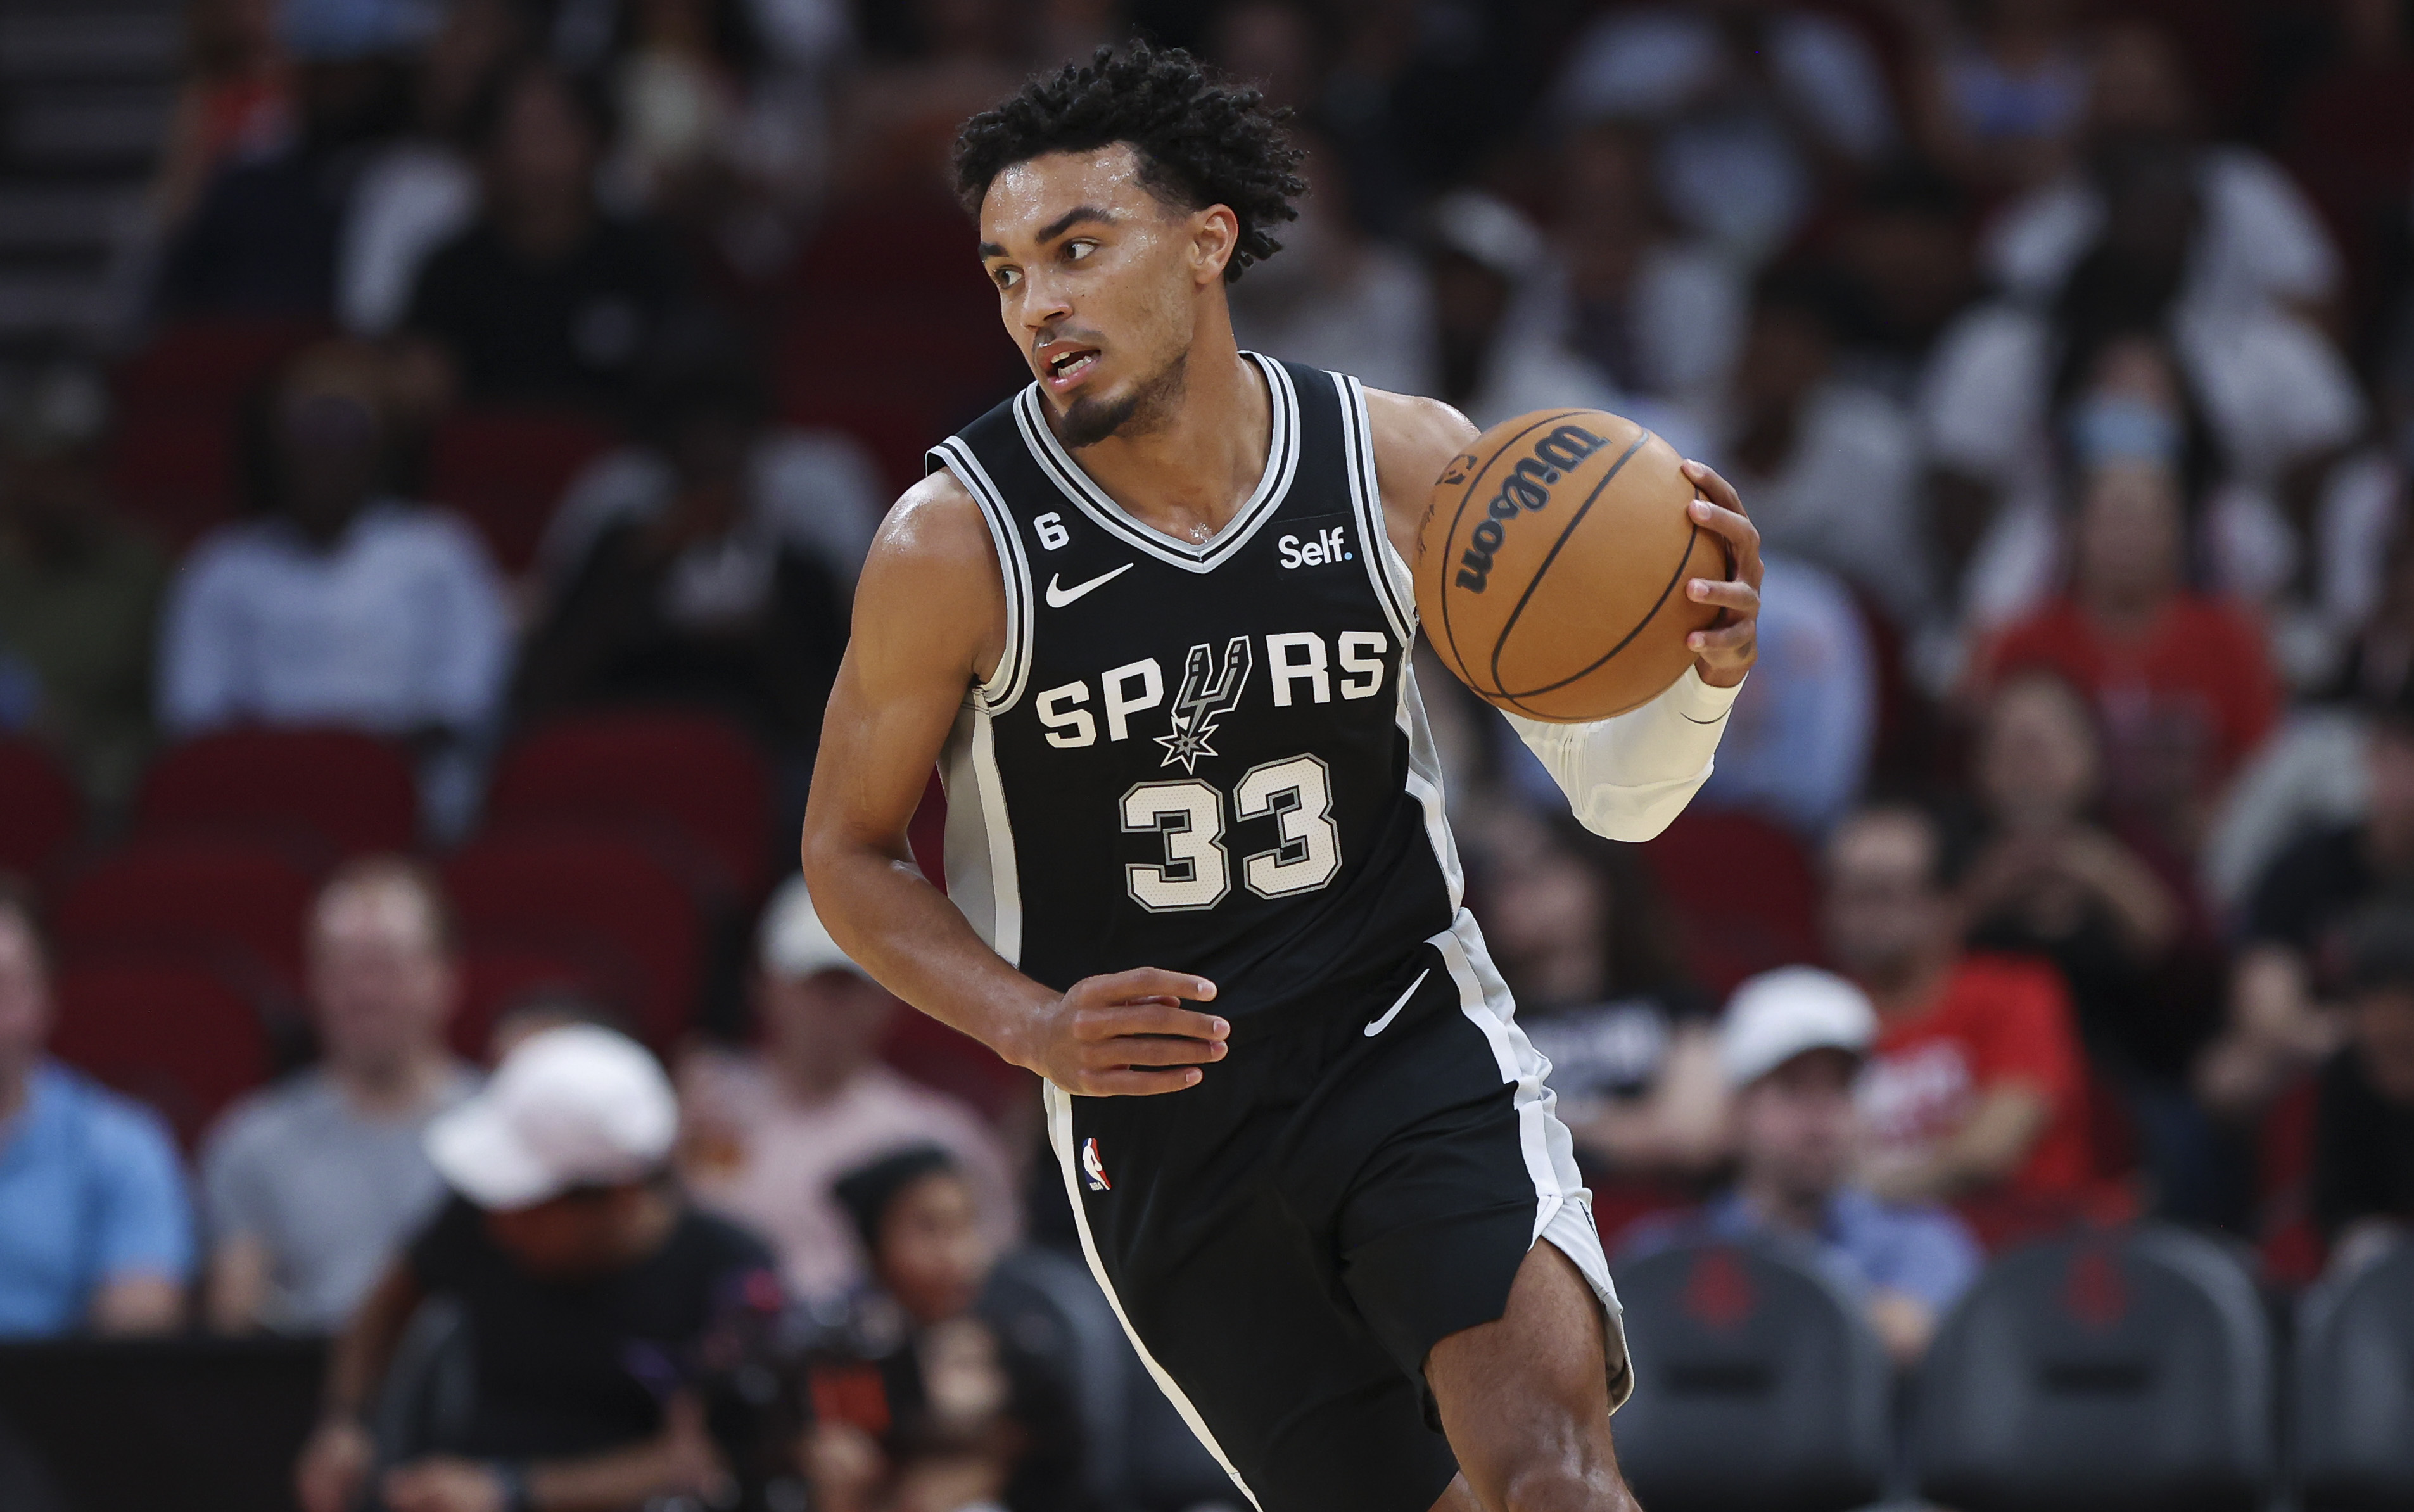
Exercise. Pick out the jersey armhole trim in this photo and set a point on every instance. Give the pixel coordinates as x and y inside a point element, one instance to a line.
<point>1005,683</point>
<point>1385,569</point>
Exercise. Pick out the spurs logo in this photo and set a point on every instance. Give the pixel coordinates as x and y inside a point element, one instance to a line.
<point>1209,692</point>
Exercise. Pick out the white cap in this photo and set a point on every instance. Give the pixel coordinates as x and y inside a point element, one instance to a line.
<point>573,1106</point>
<point>1781,1015</point>
<point>793,942</point>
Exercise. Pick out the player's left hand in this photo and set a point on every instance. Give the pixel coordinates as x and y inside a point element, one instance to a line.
<point>1724,653</point>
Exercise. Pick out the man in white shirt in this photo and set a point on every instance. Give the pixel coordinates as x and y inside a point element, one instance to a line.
<point>767,1133</point>
<point>345,605</point>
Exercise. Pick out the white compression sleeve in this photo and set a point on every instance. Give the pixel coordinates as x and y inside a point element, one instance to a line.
<point>1627,776</point>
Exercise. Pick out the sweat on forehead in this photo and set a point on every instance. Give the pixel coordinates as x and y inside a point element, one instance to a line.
<point>1046,197</point>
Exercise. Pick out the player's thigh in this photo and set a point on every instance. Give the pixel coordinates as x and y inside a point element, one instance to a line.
<point>1525,1399</point>
<point>1295,1393</point>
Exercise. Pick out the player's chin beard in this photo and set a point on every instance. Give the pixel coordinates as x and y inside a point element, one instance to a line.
<point>1088,421</point>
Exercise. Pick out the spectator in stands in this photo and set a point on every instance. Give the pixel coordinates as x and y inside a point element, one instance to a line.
<point>1904,266</point>
<point>2286,984</point>
<point>596,1301</point>
<point>549,298</point>
<point>79,589</point>
<point>1798,745</point>
<point>264,238</point>
<point>2349,142</point>
<point>420,190</point>
<point>710,140</point>
<point>975,1369</point>
<point>2109,907</point>
<point>924,66</point>
<point>344,605</point>
<point>2204,255</point>
<point>711,565</point>
<point>2364,1145</point>
<point>1484,259</point>
<point>2178,679</point>
<point>1337,299</point>
<point>1976,1091</point>
<point>767,1133</point>
<point>96,1233</point>
<point>1999,102</point>
<point>1831,468</point>
<point>1754,102</point>
<point>235,104</point>
<point>1576,929</point>
<point>310,1185</point>
<point>2115,911</point>
<point>1791,1045</point>
<point>1660,314</point>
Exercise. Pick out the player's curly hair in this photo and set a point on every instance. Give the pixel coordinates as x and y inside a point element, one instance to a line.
<point>1200,141</point>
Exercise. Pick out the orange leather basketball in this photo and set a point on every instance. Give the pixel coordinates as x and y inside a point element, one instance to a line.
<point>1552,564</point>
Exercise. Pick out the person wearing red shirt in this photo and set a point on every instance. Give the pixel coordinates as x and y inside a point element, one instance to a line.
<point>2180,681</point>
<point>1976,1090</point>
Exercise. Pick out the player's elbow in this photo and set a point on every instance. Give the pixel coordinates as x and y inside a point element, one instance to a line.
<point>1629,814</point>
<point>1629,827</point>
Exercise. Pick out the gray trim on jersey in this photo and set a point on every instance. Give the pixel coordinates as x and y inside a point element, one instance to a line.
<point>1563,1205</point>
<point>1060,1135</point>
<point>1273,483</point>
<point>1006,682</point>
<point>1395,586</point>
<point>1425,779</point>
<point>984,876</point>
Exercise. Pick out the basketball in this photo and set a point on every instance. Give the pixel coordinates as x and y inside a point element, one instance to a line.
<point>1552,564</point>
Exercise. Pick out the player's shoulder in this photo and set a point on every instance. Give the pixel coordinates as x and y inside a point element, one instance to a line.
<point>1413,420</point>
<point>937,524</point>
<point>1414,440</point>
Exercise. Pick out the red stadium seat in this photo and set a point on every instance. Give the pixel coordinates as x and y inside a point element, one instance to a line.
<point>573,888</point>
<point>2294,1250</point>
<point>690,781</point>
<point>1742,893</point>
<point>41,813</point>
<point>955,1063</point>
<point>168,1030</point>
<point>352,792</point>
<point>176,472</point>
<point>500,974</point>
<point>238,902</point>
<point>893,284</point>
<point>506,469</point>
<point>180,412</point>
<point>210,364</point>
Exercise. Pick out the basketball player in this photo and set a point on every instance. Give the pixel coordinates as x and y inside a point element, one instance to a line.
<point>1151,618</point>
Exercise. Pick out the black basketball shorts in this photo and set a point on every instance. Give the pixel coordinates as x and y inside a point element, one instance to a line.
<point>1286,1241</point>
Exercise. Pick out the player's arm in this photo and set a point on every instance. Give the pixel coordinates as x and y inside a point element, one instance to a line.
<point>1627,776</point>
<point>930,624</point>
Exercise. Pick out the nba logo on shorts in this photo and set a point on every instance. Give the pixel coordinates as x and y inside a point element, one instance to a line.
<point>1093,1168</point>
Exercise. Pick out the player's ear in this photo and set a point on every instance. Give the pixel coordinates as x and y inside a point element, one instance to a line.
<point>1215,234</point>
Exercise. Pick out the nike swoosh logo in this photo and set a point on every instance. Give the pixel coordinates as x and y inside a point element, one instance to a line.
<point>1059,597</point>
<point>1393,1011</point>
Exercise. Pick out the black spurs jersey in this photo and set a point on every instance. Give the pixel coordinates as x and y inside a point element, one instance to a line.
<point>1207,758</point>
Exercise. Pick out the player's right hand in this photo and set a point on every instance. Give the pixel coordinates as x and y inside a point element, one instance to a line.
<point>1127,1035</point>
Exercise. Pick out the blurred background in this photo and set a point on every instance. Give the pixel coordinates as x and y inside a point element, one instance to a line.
<point>438,441</point>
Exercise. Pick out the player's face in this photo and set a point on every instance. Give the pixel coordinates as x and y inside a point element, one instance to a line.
<point>1099,283</point>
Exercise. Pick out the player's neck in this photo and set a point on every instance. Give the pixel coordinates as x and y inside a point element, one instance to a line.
<point>1189,473</point>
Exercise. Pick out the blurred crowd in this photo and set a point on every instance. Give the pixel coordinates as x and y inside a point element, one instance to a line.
<point>2059,865</point>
